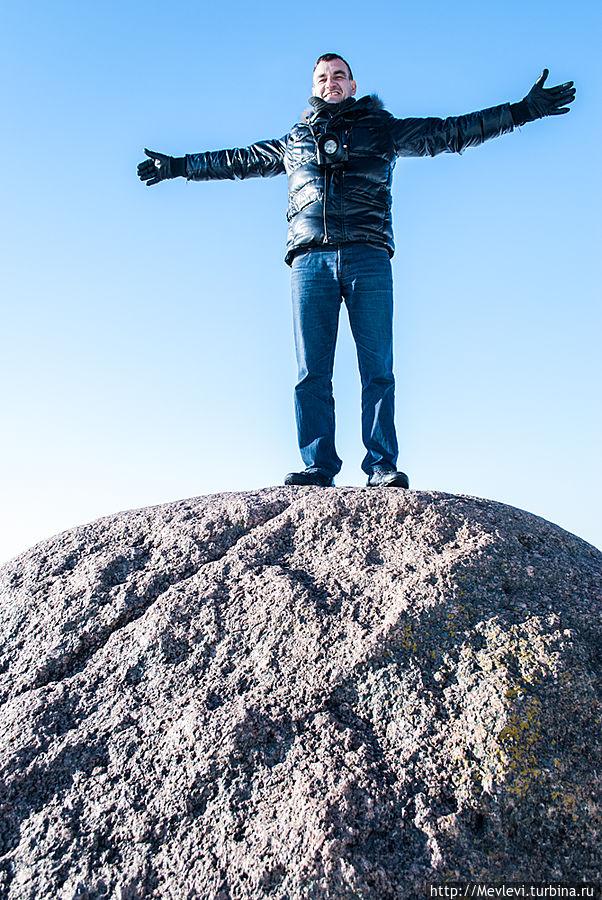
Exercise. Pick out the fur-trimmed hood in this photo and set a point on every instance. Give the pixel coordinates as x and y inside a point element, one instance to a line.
<point>320,107</point>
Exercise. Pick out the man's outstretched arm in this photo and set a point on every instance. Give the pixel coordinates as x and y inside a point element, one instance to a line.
<point>261,160</point>
<point>428,137</point>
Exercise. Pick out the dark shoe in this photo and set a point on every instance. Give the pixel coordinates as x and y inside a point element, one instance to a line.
<point>383,477</point>
<point>318,477</point>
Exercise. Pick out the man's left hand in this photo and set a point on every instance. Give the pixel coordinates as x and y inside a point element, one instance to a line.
<point>552,101</point>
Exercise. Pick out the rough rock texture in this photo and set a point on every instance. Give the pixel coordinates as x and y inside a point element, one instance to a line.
<point>299,693</point>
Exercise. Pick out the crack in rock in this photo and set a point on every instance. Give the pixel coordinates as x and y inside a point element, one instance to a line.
<point>120,578</point>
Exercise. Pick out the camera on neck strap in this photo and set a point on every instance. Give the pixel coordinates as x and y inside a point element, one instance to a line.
<point>332,151</point>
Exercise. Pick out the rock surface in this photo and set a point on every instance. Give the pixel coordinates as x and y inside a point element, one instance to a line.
<point>299,693</point>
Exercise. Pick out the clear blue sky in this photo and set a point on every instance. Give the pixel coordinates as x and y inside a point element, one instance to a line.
<point>147,352</point>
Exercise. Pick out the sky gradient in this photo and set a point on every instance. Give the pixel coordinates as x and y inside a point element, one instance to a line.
<point>147,349</point>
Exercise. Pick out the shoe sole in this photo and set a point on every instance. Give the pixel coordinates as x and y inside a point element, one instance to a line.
<point>297,482</point>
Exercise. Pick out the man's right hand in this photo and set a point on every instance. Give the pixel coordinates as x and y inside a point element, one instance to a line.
<point>159,167</point>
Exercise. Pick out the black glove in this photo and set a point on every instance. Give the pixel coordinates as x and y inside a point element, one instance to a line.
<point>159,167</point>
<point>541,101</point>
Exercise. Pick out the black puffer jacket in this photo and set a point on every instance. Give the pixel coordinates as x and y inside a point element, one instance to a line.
<point>352,203</point>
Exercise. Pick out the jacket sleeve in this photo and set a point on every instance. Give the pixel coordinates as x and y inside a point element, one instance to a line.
<point>428,137</point>
<point>262,160</point>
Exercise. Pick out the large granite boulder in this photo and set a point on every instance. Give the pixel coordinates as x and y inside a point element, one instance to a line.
<point>299,693</point>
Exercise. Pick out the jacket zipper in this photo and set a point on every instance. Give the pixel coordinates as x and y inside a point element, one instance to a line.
<point>324,198</point>
<point>324,194</point>
<point>326,174</point>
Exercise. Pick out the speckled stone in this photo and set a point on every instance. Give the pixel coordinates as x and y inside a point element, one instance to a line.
<point>299,694</point>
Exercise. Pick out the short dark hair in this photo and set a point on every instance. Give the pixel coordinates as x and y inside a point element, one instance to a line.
<point>326,57</point>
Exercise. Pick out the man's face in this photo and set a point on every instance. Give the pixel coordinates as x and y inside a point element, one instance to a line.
<point>332,82</point>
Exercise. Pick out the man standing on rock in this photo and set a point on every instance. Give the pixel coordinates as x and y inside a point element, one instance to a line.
<point>339,162</point>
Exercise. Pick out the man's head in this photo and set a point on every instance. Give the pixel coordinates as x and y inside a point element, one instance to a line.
<point>333,80</point>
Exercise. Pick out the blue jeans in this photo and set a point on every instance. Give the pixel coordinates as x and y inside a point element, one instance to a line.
<point>359,274</point>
